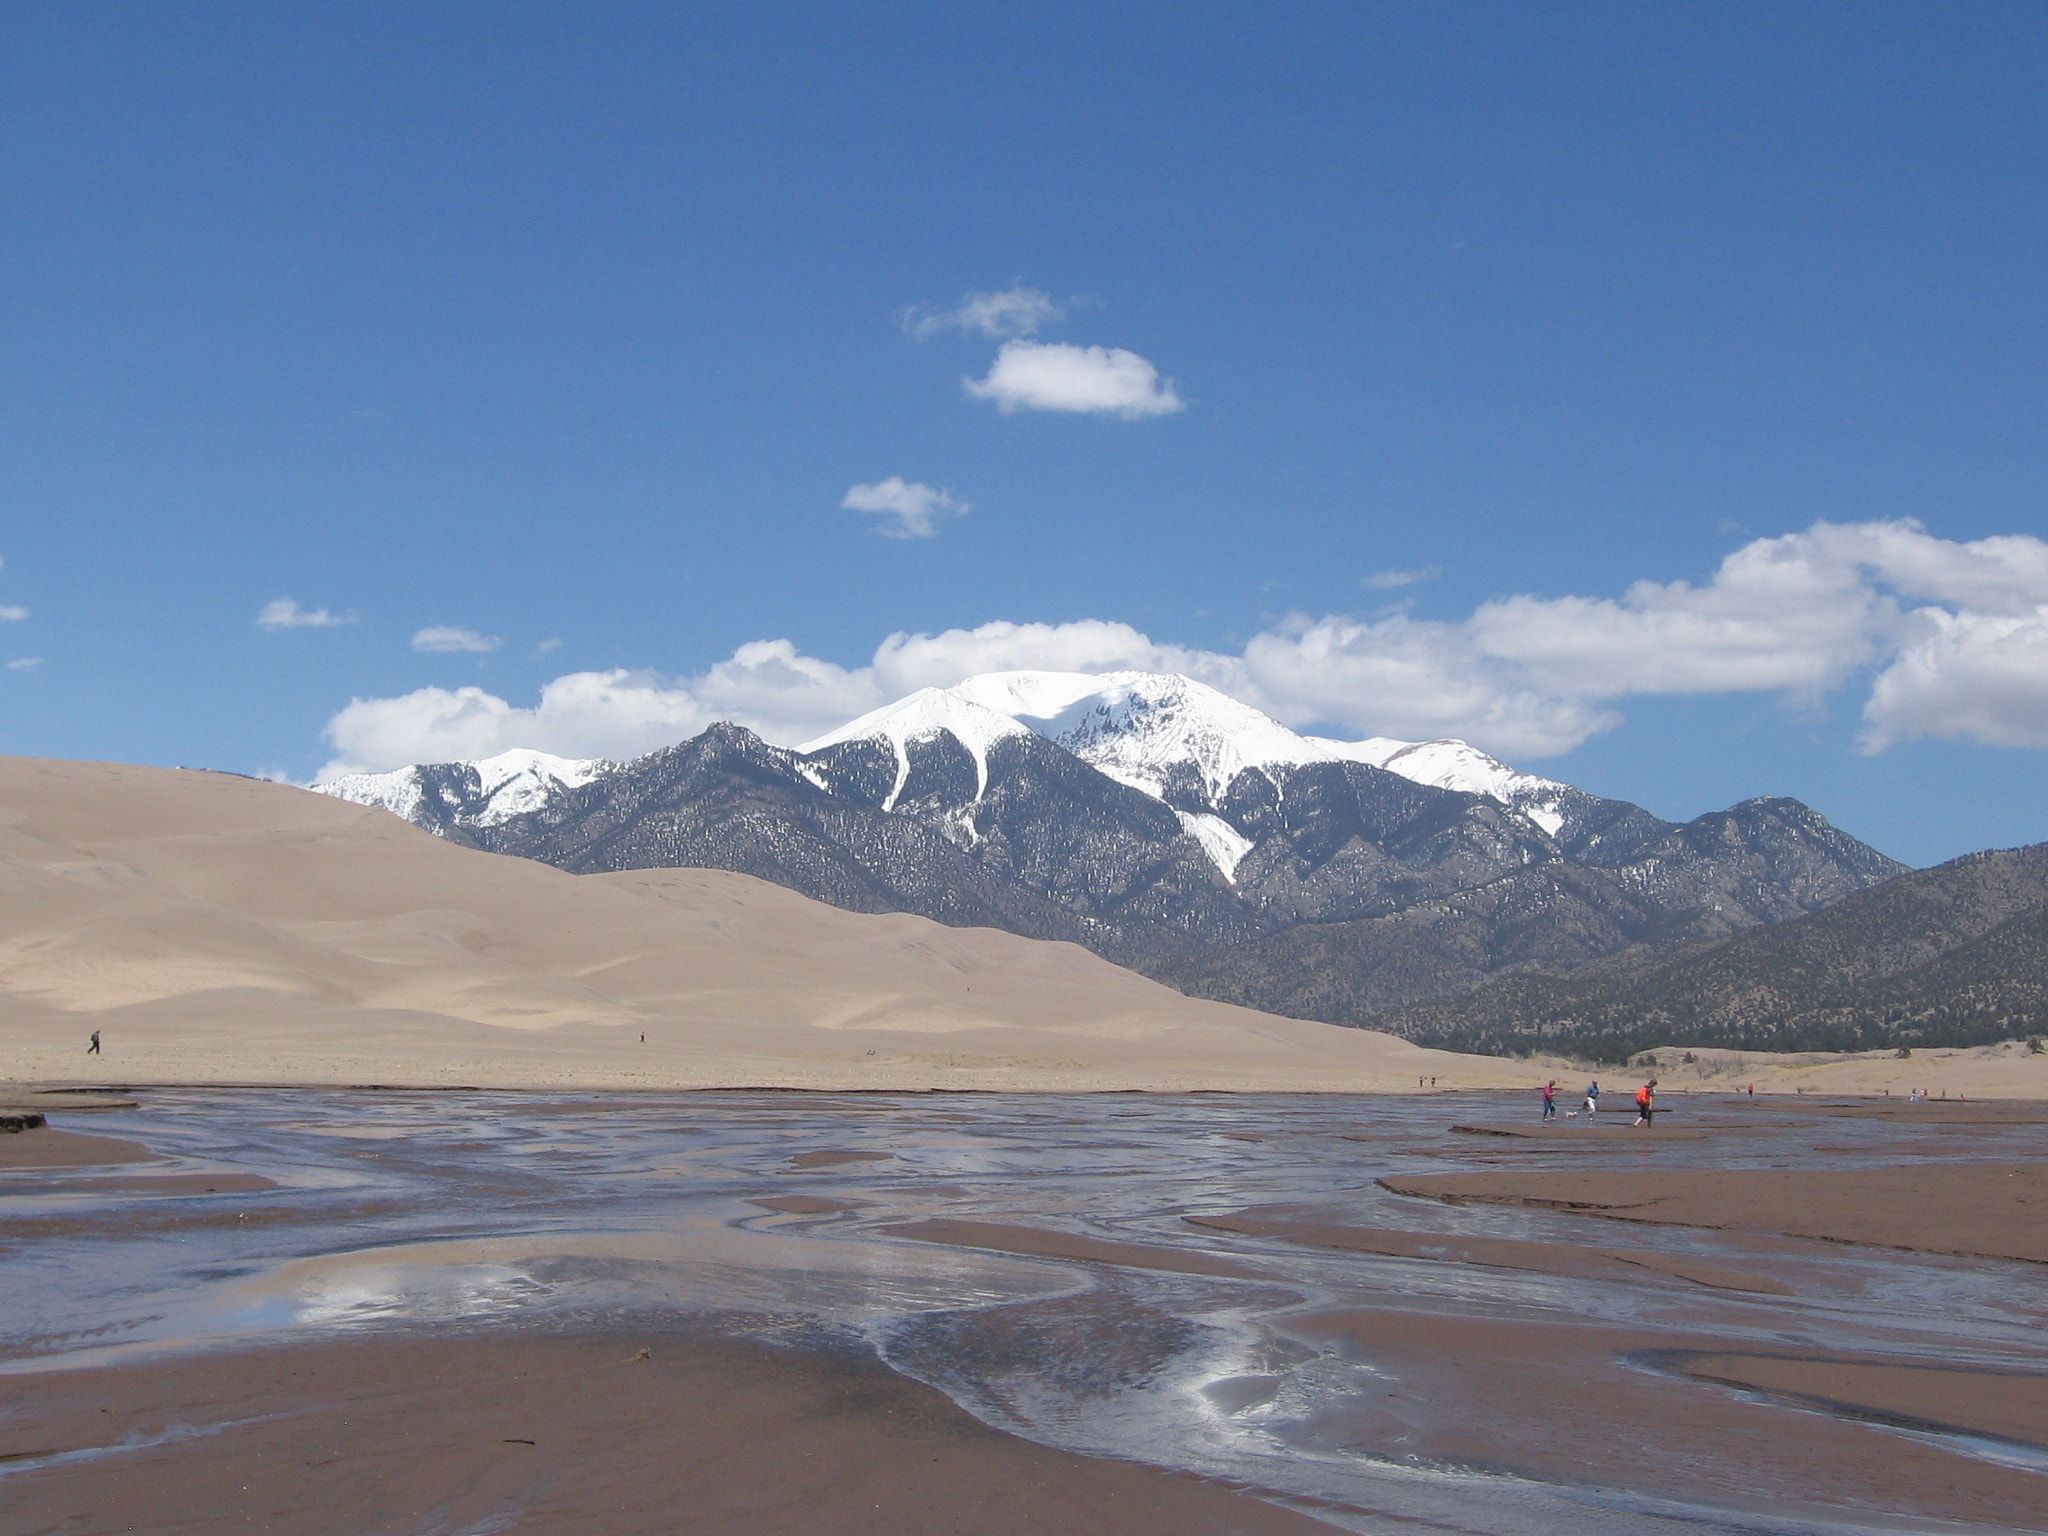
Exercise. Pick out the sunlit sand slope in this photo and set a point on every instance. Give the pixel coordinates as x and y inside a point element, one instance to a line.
<point>220,929</point>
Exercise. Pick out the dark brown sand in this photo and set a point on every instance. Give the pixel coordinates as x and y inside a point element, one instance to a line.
<point>834,1159</point>
<point>576,1436</point>
<point>1039,1243</point>
<point>1491,1252</point>
<point>47,1147</point>
<point>1603,1138</point>
<point>805,1205</point>
<point>1989,1210</point>
<point>2007,1406</point>
<point>1564,1403</point>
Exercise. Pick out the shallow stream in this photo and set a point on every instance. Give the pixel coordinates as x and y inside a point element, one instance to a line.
<point>1140,1335</point>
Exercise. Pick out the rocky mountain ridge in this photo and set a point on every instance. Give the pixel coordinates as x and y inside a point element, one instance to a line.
<point>1172,829</point>
<point>1956,955</point>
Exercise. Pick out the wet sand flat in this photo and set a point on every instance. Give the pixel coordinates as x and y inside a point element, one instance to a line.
<point>1593,1417</point>
<point>1181,1283</point>
<point>1036,1242</point>
<point>47,1147</point>
<point>568,1435</point>
<point>1986,1210</point>
<point>2007,1405</point>
<point>1490,1252</point>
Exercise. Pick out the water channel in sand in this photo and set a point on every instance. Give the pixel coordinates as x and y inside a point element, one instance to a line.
<point>1495,1369</point>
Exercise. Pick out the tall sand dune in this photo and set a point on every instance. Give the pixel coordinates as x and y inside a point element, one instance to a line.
<point>220,929</point>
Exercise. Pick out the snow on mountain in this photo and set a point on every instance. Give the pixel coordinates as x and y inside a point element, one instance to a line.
<point>1451,764</point>
<point>920,717</point>
<point>1142,729</point>
<point>1225,845</point>
<point>1137,726</point>
<point>508,785</point>
<point>399,791</point>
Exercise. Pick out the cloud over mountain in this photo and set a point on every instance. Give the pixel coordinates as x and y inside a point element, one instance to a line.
<point>1952,636</point>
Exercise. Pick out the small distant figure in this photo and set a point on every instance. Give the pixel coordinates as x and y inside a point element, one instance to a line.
<point>1550,1101</point>
<point>1646,1102</point>
<point>643,1037</point>
<point>1752,1090</point>
<point>1593,1098</point>
<point>94,1048</point>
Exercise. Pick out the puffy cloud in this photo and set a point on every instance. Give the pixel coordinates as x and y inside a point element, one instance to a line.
<point>12,615</point>
<point>1964,677</point>
<point>1953,638</point>
<point>449,637</point>
<point>285,613</point>
<point>916,508</point>
<point>1018,311</point>
<point>1058,376</point>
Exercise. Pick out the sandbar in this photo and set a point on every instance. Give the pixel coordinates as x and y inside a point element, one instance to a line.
<point>1487,1252</point>
<point>1985,1210</point>
<point>2006,1405</point>
<point>1592,1416</point>
<point>48,1147</point>
<point>560,1436</point>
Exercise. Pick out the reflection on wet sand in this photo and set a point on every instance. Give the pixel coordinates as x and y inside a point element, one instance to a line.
<point>1340,1304</point>
<point>1491,1252</point>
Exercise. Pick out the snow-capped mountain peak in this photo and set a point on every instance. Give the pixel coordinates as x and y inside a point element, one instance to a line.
<point>1145,728</point>
<point>1451,764</point>
<point>508,785</point>
<point>1137,727</point>
<point>920,717</point>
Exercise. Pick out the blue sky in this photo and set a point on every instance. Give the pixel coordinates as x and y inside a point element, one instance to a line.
<point>569,331</point>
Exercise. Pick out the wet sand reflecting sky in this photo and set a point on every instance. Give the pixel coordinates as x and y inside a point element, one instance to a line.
<point>1390,1359</point>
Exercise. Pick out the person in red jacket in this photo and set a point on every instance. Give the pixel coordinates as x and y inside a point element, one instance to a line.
<point>1646,1102</point>
<point>1550,1101</point>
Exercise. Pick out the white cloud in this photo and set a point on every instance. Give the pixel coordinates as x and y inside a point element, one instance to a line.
<point>1381,581</point>
<point>1057,376</point>
<point>916,508</point>
<point>1018,311</point>
<point>11,615</point>
<point>1952,637</point>
<point>285,613</point>
<point>24,663</point>
<point>448,637</point>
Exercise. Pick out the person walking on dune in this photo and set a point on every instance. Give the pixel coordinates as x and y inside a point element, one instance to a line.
<point>94,1048</point>
<point>1646,1102</point>
<point>1550,1101</point>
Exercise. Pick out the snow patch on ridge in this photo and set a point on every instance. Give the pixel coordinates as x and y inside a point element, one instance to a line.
<point>399,791</point>
<point>922,716</point>
<point>508,785</point>
<point>1225,845</point>
<point>522,780</point>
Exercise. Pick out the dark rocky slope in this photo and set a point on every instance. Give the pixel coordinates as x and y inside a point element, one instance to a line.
<point>1955,955</point>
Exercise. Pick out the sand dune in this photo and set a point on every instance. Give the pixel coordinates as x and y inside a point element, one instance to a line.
<point>220,929</point>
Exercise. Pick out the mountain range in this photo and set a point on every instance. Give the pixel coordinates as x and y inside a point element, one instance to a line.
<point>1951,956</point>
<point>1172,829</point>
